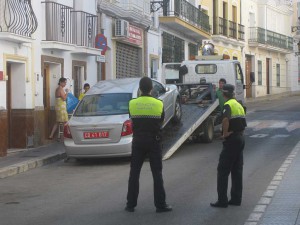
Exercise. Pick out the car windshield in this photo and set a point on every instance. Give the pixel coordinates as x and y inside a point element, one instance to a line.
<point>103,104</point>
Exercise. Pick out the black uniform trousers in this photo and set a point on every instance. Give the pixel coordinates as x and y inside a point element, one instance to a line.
<point>143,146</point>
<point>231,161</point>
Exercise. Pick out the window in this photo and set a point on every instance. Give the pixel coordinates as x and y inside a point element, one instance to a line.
<point>173,48</point>
<point>193,51</point>
<point>206,68</point>
<point>278,75</point>
<point>104,104</point>
<point>157,90</point>
<point>259,72</point>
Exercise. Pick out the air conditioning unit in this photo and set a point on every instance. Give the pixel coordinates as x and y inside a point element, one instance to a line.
<point>121,28</point>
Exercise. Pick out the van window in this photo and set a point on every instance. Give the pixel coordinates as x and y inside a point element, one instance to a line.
<point>239,74</point>
<point>206,68</point>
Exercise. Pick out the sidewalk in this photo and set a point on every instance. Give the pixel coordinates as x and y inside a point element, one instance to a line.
<point>280,203</point>
<point>22,161</point>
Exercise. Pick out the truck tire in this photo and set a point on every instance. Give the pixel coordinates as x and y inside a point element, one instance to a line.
<point>208,131</point>
<point>177,113</point>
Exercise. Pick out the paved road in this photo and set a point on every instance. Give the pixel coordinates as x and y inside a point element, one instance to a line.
<point>93,192</point>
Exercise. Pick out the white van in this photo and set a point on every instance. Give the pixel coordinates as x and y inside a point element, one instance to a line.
<point>208,69</point>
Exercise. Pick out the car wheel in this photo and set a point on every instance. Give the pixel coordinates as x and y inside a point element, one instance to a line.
<point>178,112</point>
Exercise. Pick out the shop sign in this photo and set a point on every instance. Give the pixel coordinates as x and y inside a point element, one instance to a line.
<point>135,35</point>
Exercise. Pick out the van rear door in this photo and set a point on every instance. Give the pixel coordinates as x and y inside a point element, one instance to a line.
<point>170,73</point>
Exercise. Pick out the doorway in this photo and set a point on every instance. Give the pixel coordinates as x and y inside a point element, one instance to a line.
<point>248,67</point>
<point>78,80</point>
<point>8,105</point>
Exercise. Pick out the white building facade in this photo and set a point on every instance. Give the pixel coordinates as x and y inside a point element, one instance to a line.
<point>269,53</point>
<point>42,41</point>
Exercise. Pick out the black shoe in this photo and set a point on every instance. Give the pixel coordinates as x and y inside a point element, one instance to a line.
<point>166,208</point>
<point>236,203</point>
<point>218,204</point>
<point>129,209</point>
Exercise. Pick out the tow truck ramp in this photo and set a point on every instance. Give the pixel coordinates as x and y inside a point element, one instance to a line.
<point>198,106</point>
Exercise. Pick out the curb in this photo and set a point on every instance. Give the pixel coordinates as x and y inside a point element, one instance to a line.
<point>30,164</point>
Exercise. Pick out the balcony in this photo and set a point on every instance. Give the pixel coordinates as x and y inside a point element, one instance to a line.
<point>228,31</point>
<point>135,12</point>
<point>17,21</point>
<point>262,38</point>
<point>185,18</point>
<point>69,30</point>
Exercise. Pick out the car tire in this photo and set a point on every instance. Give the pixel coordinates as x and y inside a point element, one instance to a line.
<point>177,113</point>
<point>208,131</point>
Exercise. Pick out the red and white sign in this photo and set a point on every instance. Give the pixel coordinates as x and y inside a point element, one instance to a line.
<point>135,35</point>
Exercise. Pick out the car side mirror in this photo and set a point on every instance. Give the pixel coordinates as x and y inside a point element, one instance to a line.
<point>252,77</point>
<point>167,89</point>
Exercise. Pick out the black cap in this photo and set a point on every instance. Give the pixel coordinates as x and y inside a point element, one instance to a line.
<point>228,88</point>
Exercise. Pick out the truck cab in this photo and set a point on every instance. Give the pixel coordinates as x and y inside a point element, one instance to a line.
<point>207,69</point>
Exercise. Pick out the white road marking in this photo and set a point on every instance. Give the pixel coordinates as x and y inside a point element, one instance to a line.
<point>257,125</point>
<point>259,135</point>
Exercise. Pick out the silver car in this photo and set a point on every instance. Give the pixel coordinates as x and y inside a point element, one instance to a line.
<point>100,125</point>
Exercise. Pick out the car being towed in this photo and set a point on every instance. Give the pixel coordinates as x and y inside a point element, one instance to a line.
<point>100,125</point>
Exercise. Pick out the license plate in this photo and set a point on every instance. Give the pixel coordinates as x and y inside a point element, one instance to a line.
<point>94,135</point>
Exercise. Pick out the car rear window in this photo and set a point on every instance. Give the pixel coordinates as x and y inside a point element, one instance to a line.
<point>103,104</point>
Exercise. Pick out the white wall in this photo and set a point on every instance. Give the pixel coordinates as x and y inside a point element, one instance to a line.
<point>154,48</point>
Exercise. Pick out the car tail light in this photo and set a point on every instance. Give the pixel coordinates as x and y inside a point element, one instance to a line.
<point>127,128</point>
<point>67,131</point>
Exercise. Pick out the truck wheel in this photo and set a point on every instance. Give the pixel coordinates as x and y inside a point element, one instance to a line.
<point>178,113</point>
<point>208,131</point>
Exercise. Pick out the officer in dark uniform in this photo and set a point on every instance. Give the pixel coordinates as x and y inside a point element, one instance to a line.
<point>147,114</point>
<point>231,157</point>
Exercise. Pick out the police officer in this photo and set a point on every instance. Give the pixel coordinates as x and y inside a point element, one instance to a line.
<point>147,114</point>
<point>231,157</point>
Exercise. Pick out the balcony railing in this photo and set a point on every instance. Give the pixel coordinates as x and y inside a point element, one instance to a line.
<point>68,26</point>
<point>84,31</point>
<point>58,22</point>
<point>241,31</point>
<point>17,16</point>
<point>189,13</point>
<point>263,36</point>
<point>228,28</point>
<point>232,29</point>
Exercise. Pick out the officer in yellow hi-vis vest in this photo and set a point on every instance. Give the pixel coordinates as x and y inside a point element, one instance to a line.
<point>231,157</point>
<point>147,115</point>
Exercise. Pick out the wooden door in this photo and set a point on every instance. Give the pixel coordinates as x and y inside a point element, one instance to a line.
<point>268,75</point>
<point>247,72</point>
<point>46,100</point>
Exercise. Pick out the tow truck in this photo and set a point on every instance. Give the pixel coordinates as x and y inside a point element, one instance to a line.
<point>196,81</point>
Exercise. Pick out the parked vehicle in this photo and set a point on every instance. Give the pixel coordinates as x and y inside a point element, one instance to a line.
<point>100,125</point>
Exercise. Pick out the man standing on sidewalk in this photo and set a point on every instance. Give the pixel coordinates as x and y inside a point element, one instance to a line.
<point>231,157</point>
<point>147,114</point>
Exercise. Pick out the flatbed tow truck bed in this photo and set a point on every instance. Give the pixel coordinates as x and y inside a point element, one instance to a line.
<point>194,113</point>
